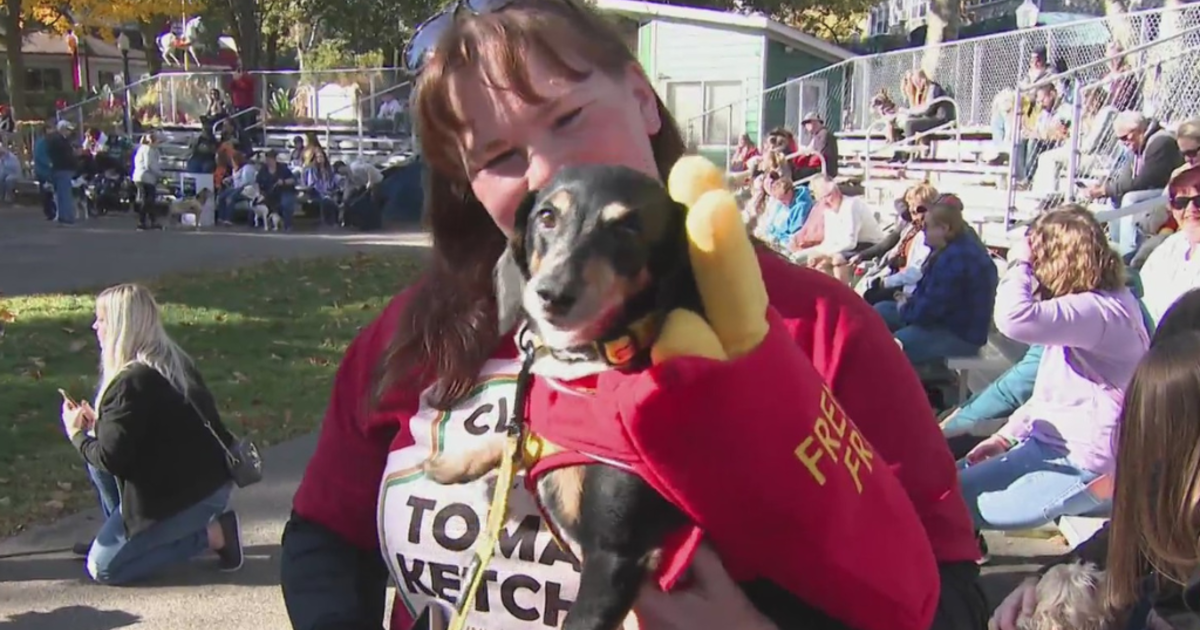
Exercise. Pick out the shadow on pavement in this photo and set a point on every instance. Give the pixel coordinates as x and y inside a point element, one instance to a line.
<point>261,569</point>
<point>73,617</point>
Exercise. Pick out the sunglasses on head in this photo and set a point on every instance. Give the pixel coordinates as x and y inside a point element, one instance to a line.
<point>1190,154</point>
<point>1181,202</point>
<point>426,36</point>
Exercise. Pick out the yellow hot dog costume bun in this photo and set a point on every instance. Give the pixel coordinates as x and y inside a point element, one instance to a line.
<point>726,270</point>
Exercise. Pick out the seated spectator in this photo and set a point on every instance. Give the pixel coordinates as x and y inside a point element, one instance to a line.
<point>389,107</point>
<point>244,174</point>
<point>948,313</point>
<point>1002,125</point>
<point>312,146</point>
<point>1052,163</point>
<point>787,211</point>
<point>1144,437</point>
<point>1049,129</point>
<point>155,449</point>
<point>1065,290</point>
<point>743,153</point>
<point>901,253</point>
<point>324,187</point>
<point>1174,267</point>
<point>1187,137</point>
<point>278,186</point>
<point>821,153</point>
<point>10,174</point>
<point>765,169</point>
<point>850,227</point>
<point>296,155</point>
<point>925,113</point>
<point>886,110</point>
<point>1155,155</point>
<point>1123,86</point>
<point>202,154</point>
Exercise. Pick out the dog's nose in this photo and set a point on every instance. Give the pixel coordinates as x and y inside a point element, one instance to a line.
<point>557,302</point>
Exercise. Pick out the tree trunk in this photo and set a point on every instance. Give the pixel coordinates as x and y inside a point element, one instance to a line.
<point>272,51</point>
<point>243,17</point>
<point>15,68</point>
<point>942,27</point>
<point>150,46</point>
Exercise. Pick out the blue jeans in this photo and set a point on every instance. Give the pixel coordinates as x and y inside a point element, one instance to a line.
<point>115,558</point>
<point>226,199</point>
<point>1029,486</point>
<point>923,344</point>
<point>106,490</point>
<point>287,208</point>
<point>64,195</point>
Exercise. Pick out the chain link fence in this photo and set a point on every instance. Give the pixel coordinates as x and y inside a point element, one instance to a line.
<point>974,72</point>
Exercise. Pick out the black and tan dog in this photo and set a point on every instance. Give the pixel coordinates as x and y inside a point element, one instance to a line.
<point>599,257</point>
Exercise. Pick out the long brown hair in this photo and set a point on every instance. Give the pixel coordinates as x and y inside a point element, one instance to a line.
<point>448,329</point>
<point>1154,519</point>
<point>1071,253</point>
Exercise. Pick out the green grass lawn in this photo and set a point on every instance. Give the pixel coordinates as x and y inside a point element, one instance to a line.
<point>267,340</point>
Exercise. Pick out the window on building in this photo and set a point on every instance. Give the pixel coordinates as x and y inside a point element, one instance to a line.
<point>693,104</point>
<point>107,78</point>
<point>43,80</point>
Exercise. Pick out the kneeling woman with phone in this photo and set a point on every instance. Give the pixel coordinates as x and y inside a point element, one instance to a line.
<point>155,448</point>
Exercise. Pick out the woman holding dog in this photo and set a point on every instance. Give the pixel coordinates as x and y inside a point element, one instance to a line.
<point>512,92</point>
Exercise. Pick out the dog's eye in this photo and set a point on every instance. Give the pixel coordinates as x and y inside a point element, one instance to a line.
<point>546,219</point>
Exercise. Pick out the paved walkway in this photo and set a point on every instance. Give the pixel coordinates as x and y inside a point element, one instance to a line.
<point>43,588</point>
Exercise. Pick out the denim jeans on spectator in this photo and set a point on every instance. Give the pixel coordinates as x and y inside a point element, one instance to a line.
<point>115,558</point>
<point>922,344</point>
<point>8,186</point>
<point>106,490</point>
<point>226,199</point>
<point>287,208</point>
<point>46,192</point>
<point>64,196</point>
<point>1029,486</point>
<point>329,210</point>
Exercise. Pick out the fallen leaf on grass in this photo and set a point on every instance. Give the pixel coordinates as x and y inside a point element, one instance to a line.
<point>7,316</point>
<point>3,481</point>
<point>276,357</point>
<point>220,317</point>
<point>240,378</point>
<point>77,345</point>
<point>37,362</point>
<point>323,290</point>
<point>65,486</point>
<point>5,501</point>
<point>69,331</point>
<point>54,505</point>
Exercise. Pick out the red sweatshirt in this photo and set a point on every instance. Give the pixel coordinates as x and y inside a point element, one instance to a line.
<point>848,345</point>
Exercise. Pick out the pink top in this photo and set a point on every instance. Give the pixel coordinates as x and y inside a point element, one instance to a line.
<point>1093,343</point>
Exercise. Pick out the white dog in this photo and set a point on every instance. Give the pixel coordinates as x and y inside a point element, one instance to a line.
<point>1069,598</point>
<point>258,205</point>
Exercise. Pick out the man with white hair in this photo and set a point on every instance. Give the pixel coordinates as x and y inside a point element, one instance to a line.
<point>1154,155</point>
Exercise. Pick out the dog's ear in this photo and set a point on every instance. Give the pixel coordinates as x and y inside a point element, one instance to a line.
<point>512,269</point>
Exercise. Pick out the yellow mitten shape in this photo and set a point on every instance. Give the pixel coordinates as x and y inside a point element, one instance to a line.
<point>725,266</point>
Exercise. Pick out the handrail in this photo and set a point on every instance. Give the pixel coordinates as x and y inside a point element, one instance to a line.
<point>911,140</point>
<point>357,105</point>
<point>59,114</point>
<point>217,125</point>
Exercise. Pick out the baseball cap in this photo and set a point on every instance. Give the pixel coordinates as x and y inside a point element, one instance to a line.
<point>64,125</point>
<point>811,116</point>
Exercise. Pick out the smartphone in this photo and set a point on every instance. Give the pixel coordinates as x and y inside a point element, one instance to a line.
<point>66,397</point>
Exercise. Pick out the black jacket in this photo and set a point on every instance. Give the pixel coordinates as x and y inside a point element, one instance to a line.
<point>62,153</point>
<point>151,439</point>
<point>1160,157</point>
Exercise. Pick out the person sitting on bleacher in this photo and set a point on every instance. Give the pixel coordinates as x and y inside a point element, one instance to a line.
<point>850,227</point>
<point>244,174</point>
<point>901,253</point>
<point>1064,289</point>
<point>1048,131</point>
<point>765,170</point>
<point>1183,319</point>
<point>949,312</point>
<point>278,185</point>
<point>925,114</point>
<point>1174,267</point>
<point>10,174</point>
<point>1052,163</point>
<point>1187,138</point>
<point>1153,154</point>
<point>821,153</point>
<point>324,188</point>
<point>787,210</point>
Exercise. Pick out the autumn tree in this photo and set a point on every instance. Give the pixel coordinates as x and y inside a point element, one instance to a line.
<point>14,69</point>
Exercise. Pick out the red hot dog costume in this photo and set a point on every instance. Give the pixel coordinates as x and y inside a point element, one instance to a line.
<point>783,485</point>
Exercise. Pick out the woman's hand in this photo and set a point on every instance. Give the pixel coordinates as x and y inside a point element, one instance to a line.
<point>76,418</point>
<point>711,601</point>
<point>1019,252</point>
<point>989,448</point>
<point>1019,604</point>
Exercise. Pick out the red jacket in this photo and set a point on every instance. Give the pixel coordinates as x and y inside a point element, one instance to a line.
<point>847,342</point>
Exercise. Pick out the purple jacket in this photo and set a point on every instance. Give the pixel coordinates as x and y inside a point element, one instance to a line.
<point>1093,343</point>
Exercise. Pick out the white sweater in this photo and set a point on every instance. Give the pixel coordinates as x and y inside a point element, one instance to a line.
<point>852,223</point>
<point>1172,270</point>
<point>147,167</point>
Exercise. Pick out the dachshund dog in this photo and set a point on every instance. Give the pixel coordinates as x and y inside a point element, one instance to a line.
<point>1069,598</point>
<point>596,251</point>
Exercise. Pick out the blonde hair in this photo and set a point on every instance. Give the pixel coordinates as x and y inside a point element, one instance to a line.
<point>1189,129</point>
<point>1071,253</point>
<point>923,194</point>
<point>133,333</point>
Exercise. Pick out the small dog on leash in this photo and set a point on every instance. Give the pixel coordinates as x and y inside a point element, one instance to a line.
<point>263,216</point>
<point>598,251</point>
<point>1069,598</point>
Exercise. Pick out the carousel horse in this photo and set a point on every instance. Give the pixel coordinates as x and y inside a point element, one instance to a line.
<point>169,42</point>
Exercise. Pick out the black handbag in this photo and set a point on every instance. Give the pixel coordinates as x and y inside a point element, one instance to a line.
<point>242,458</point>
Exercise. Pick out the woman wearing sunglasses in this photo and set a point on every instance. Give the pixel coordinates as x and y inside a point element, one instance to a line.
<point>509,92</point>
<point>1174,267</point>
